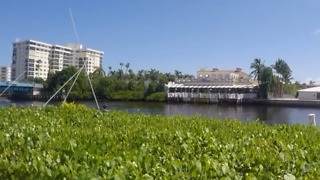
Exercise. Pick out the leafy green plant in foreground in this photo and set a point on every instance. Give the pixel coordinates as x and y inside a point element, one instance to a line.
<point>75,142</point>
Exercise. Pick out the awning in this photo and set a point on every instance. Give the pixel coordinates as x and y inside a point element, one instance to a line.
<point>210,86</point>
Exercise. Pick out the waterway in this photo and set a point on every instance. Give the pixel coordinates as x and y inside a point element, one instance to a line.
<point>268,114</point>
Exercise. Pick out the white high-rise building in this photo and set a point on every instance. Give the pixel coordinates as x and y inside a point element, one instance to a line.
<point>34,59</point>
<point>91,56</point>
<point>30,59</point>
<point>60,57</point>
<point>5,73</point>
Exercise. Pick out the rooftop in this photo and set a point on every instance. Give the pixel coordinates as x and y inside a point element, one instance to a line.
<point>313,89</point>
<point>20,84</point>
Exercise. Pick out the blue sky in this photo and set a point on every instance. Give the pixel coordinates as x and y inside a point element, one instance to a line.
<point>174,34</point>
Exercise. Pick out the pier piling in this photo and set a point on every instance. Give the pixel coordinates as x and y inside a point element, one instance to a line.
<point>312,119</point>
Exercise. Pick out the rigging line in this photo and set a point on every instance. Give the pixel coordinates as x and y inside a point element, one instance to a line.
<point>62,86</point>
<point>74,26</point>
<point>84,62</point>
<point>94,94</point>
<point>12,83</point>
<point>78,73</point>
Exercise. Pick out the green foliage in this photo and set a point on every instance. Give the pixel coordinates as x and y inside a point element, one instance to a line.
<point>158,96</point>
<point>117,85</point>
<point>81,88</point>
<point>283,69</point>
<point>291,89</point>
<point>284,76</point>
<point>127,95</point>
<point>257,65</point>
<point>73,142</point>
<point>266,81</point>
<point>151,88</point>
<point>278,83</point>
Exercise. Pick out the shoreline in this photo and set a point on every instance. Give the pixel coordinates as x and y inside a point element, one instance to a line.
<point>284,102</point>
<point>273,102</point>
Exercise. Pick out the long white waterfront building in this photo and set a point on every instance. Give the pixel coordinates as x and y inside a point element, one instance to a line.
<point>213,85</point>
<point>35,59</point>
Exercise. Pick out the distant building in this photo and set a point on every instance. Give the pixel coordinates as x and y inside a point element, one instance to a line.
<point>5,73</point>
<point>215,76</point>
<point>34,59</point>
<point>80,55</point>
<point>236,76</point>
<point>213,85</point>
<point>309,94</point>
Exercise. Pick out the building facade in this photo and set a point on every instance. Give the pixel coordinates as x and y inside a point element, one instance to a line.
<point>60,58</point>
<point>35,59</point>
<point>5,74</point>
<point>224,77</point>
<point>213,85</point>
<point>82,55</point>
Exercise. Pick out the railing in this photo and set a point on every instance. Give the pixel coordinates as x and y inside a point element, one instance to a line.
<point>212,95</point>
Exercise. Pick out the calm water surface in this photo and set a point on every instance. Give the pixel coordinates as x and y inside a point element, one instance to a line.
<point>268,114</point>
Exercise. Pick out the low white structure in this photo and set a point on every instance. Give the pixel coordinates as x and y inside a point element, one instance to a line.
<point>213,93</point>
<point>309,94</point>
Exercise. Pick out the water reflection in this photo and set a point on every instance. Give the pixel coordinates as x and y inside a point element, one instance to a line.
<point>268,114</point>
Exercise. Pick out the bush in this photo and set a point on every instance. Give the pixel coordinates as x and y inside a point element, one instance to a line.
<point>158,96</point>
<point>74,142</point>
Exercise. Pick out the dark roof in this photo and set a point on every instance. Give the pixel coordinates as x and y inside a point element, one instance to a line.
<point>20,84</point>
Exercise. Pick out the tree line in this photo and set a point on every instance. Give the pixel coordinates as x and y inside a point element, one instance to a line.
<point>124,84</point>
<point>116,84</point>
<point>274,80</point>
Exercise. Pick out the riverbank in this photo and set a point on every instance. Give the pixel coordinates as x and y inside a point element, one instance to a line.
<point>156,97</point>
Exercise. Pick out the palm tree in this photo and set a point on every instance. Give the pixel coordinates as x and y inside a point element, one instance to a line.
<point>127,67</point>
<point>153,74</point>
<point>287,77</point>
<point>121,65</point>
<point>140,74</point>
<point>120,71</point>
<point>110,69</point>
<point>257,67</point>
<point>131,74</point>
<point>284,74</point>
<point>170,77</point>
<point>283,70</point>
<point>178,74</point>
<point>277,66</point>
<point>99,72</point>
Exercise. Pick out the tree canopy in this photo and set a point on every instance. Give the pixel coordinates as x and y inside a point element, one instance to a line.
<point>116,84</point>
<point>257,65</point>
<point>276,82</point>
<point>125,84</point>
